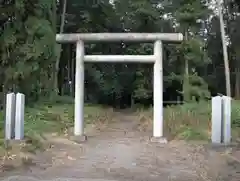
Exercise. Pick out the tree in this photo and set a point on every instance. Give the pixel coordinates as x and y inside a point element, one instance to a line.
<point>58,49</point>
<point>189,16</point>
<point>27,44</point>
<point>29,55</point>
<point>225,53</point>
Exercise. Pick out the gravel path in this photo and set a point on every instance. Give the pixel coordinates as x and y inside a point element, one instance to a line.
<point>121,153</point>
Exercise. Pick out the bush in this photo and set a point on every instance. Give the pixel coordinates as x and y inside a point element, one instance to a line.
<point>236,114</point>
<point>188,121</point>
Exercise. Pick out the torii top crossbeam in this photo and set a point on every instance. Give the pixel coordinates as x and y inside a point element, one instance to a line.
<point>95,37</point>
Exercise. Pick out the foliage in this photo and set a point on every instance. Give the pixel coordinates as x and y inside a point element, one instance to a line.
<point>27,46</point>
<point>235,114</point>
<point>28,51</point>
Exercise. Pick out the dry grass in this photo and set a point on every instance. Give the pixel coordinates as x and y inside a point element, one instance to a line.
<point>190,121</point>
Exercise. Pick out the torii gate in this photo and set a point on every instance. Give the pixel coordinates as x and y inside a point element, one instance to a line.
<point>156,58</point>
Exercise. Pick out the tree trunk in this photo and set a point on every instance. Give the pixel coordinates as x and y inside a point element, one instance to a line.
<point>186,86</point>
<point>237,83</point>
<point>62,85</point>
<point>237,75</point>
<point>72,71</point>
<point>225,53</point>
<point>54,27</point>
<point>58,55</point>
<point>69,70</point>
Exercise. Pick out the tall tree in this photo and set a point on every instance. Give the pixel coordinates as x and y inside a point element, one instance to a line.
<point>225,53</point>
<point>189,16</point>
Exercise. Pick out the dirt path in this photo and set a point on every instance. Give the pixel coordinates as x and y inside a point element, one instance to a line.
<point>121,153</point>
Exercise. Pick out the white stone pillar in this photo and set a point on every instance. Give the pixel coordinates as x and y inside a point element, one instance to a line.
<point>158,91</point>
<point>226,119</point>
<point>216,120</point>
<point>19,116</point>
<point>10,116</point>
<point>79,90</point>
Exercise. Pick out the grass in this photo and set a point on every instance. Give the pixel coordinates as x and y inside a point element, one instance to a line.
<point>46,118</point>
<point>191,121</point>
<point>58,118</point>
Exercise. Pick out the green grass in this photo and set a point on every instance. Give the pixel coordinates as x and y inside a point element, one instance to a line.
<point>55,117</point>
<point>191,121</point>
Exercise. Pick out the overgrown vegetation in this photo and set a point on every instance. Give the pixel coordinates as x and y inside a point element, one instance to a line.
<point>191,121</point>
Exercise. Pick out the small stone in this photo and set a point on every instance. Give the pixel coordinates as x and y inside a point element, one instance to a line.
<point>159,140</point>
<point>79,139</point>
<point>71,158</point>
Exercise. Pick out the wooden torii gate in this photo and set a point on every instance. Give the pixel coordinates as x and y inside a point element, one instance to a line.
<point>156,58</point>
